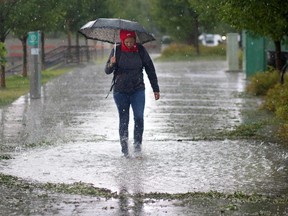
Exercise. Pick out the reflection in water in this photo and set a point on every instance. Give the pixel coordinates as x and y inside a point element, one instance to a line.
<point>130,179</point>
<point>128,205</point>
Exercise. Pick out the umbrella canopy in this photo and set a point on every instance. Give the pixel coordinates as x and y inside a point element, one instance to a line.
<point>108,30</point>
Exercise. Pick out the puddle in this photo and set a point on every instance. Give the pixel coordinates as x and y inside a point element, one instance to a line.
<point>168,167</point>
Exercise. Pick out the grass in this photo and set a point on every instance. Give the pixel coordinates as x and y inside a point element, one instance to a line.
<point>17,85</point>
<point>81,188</point>
<point>275,96</point>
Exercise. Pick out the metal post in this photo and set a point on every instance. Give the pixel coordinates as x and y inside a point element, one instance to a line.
<point>232,52</point>
<point>34,42</point>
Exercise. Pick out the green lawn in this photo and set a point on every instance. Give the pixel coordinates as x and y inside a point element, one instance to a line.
<point>17,85</point>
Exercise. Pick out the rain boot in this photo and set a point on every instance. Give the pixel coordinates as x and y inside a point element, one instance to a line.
<point>124,146</point>
<point>137,147</point>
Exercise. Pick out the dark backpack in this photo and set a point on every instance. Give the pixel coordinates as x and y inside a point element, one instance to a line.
<point>118,54</point>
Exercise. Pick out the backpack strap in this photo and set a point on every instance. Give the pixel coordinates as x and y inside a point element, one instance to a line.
<point>118,53</point>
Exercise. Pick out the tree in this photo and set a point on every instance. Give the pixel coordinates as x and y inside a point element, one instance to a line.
<point>76,13</point>
<point>138,10</point>
<point>6,8</point>
<point>176,18</point>
<point>32,15</point>
<point>184,20</point>
<point>209,22</point>
<point>265,18</point>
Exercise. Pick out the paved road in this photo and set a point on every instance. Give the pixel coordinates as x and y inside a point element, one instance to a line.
<point>71,135</point>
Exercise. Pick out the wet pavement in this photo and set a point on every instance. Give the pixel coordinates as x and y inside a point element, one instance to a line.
<point>71,135</point>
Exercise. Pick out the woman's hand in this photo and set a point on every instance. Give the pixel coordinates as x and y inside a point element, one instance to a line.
<point>112,61</point>
<point>157,95</point>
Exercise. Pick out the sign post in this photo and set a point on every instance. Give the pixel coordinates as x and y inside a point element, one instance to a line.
<point>34,43</point>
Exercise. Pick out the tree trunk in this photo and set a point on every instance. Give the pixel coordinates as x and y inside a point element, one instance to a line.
<point>43,50</point>
<point>69,56</point>
<point>77,48</point>
<point>25,56</point>
<point>2,76</point>
<point>196,32</point>
<point>278,61</point>
<point>2,69</point>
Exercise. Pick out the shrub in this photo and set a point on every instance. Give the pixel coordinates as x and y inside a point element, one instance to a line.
<point>185,51</point>
<point>219,50</point>
<point>283,132</point>
<point>179,50</point>
<point>260,83</point>
<point>276,97</point>
<point>282,112</point>
<point>276,100</point>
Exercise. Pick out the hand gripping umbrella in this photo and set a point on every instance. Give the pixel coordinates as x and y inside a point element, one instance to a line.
<point>108,30</point>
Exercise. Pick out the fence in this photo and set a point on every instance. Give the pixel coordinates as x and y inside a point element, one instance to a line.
<point>57,56</point>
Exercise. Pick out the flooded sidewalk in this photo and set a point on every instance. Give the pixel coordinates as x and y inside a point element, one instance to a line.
<point>71,135</point>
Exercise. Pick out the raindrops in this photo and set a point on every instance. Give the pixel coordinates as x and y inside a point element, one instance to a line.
<point>76,140</point>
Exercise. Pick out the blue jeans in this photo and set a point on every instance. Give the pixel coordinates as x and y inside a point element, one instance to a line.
<point>137,102</point>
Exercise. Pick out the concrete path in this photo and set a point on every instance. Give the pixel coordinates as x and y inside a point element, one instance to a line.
<point>71,135</point>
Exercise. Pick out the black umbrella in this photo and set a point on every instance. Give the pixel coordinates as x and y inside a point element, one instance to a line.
<point>108,30</point>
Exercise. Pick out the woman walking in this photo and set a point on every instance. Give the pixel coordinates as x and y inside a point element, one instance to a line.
<point>128,86</point>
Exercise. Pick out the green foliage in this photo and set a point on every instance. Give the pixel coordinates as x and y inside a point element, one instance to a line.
<point>75,13</point>
<point>32,15</point>
<point>219,50</point>
<point>283,132</point>
<point>176,18</point>
<point>282,111</point>
<point>6,8</point>
<point>209,22</point>
<point>263,18</point>
<point>179,50</point>
<point>80,188</point>
<point>17,86</point>
<point>266,18</point>
<point>184,19</point>
<point>136,10</point>
<point>246,130</point>
<point>277,99</point>
<point>261,82</point>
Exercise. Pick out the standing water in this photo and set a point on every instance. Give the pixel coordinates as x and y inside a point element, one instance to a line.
<point>71,135</point>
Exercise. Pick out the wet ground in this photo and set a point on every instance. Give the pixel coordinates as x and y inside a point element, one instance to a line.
<point>71,135</point>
